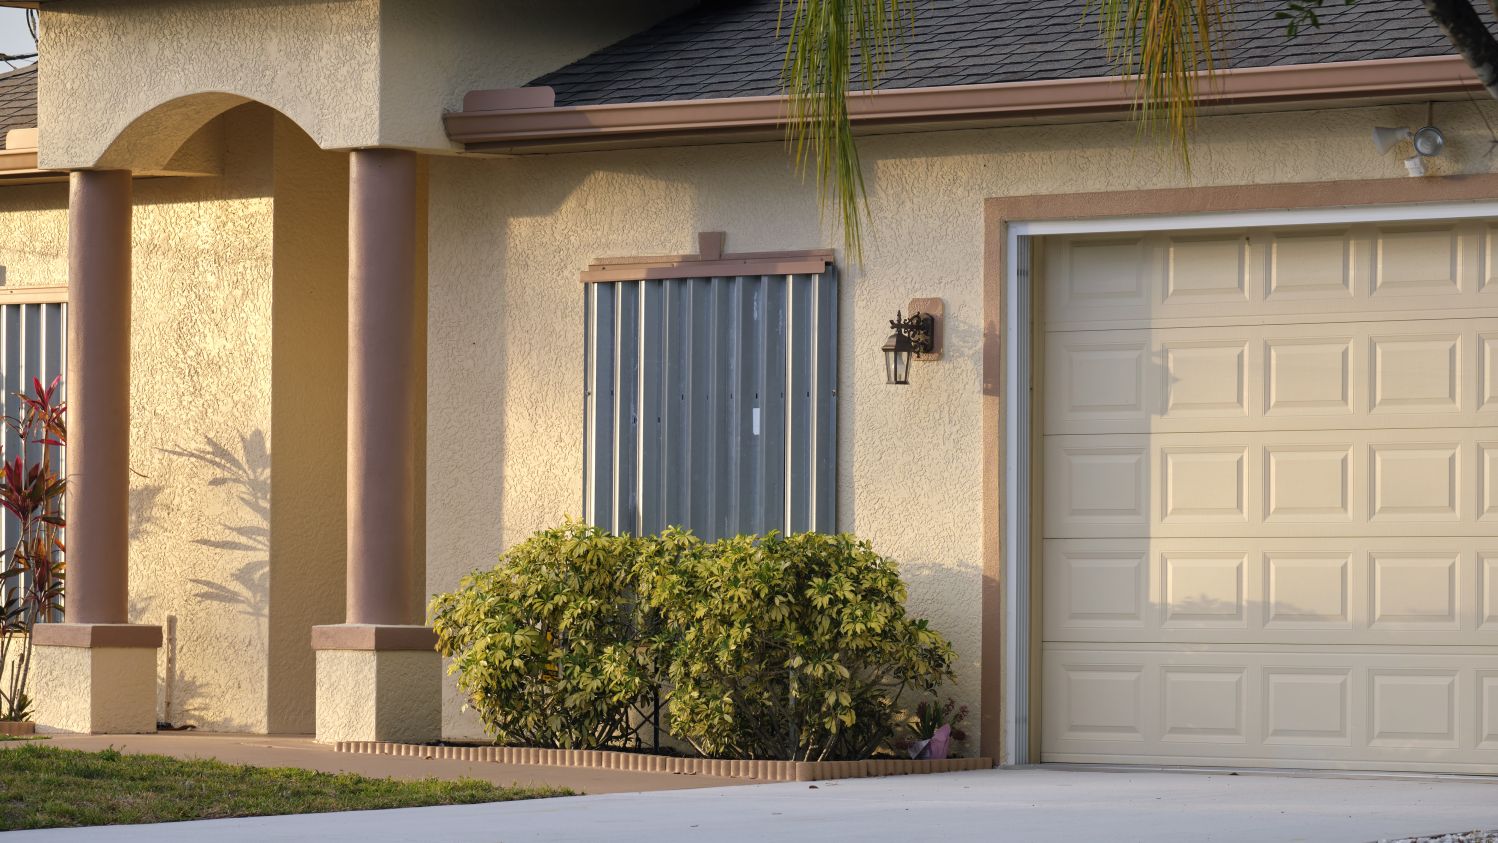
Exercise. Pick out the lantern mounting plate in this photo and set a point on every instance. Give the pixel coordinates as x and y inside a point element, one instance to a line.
<point>935,309</point>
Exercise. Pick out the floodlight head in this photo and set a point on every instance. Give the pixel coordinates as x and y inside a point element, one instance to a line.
<point>1415,164</point>
<point>1385,137</point>
<point>1429,141</point>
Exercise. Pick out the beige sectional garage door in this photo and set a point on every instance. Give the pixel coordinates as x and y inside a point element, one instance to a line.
<point>1271,498</point>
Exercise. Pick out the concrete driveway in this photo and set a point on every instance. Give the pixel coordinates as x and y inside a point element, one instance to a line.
<point>1041,804</point>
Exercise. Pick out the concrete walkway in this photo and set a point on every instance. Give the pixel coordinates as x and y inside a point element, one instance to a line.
<point>303,752</point>
<point>1035,804</point>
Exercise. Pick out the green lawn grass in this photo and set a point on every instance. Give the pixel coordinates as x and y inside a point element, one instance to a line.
<point>45,787</point>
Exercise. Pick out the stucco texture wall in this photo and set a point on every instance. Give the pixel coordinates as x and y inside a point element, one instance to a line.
<point>100,690</point>
<point>201,444</point>
<point>109,63</point>
<point>309,375</point>
<point>34,235</point>
<point>510,236</point>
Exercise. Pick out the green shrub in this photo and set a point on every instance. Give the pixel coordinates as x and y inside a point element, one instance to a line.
<point>546,645</point>
<point>766,647</point>
<point>785,647</point>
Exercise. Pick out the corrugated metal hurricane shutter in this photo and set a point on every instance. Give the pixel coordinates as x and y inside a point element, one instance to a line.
<point>33,345</point>
<point>711,404</point>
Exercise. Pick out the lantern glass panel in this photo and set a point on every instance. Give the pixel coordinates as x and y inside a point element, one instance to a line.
<point>896,364</point>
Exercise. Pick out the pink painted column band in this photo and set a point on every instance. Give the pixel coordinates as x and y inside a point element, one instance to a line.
<point>98,394</point>
<point>381,385</point>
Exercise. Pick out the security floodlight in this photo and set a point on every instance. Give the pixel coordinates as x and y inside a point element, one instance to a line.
<point>1429,141</point>
<point>1385,137</point>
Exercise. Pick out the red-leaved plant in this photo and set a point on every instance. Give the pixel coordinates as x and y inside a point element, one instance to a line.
<point>31,571</point>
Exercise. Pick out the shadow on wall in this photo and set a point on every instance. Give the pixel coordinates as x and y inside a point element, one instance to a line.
<point>248,476</point>
<point>246,536</point>
<point>177,692</point>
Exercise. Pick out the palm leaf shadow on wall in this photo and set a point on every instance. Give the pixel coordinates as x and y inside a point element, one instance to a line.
<point>247,474</point>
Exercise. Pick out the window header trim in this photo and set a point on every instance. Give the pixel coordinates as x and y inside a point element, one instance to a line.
<point>710,261</point>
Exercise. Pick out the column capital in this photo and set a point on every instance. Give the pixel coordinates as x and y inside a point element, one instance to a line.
<point>369,636</point>
<point>96,635</point>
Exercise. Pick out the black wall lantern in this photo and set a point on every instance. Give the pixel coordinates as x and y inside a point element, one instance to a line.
<point>914,338</point>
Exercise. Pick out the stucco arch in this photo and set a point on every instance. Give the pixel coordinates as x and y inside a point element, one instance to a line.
<point>109,64</point>
<point>169,138</point>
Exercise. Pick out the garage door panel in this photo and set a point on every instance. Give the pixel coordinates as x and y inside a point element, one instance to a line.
<point>1410,709</point>
<point>1203,483</point>
<point>1308,373</point>
<point>1377,269</point>
<point>1097,484</point>
<point>1205,378</point>
<point>1275,483</point>
<point>1310,265</point>
<point>1414,373</point>
<point>1103,275</point>
<point>1342,591</point>
<point>1270,515</point>
<point>1413,260</point>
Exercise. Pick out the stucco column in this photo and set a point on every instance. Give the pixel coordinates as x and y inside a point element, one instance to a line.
<point>378,674</point>
<point>381,383</point>
<point>98,391</point>
<point>97,672</point>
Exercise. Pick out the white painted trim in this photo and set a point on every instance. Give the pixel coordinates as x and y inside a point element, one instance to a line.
<point>34,295</point>
<point>1016,459</point>
<point>1016,697</point>
<point>1254,219</point>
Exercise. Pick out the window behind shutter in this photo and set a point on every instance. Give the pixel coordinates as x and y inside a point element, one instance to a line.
<point>711,404</point>
<point>33,346</point>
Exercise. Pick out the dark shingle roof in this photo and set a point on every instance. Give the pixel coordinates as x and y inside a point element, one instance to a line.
<point>17,100</point>
<point>728,48</point>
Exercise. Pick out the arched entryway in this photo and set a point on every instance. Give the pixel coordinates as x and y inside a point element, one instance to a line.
<point>216,522</point>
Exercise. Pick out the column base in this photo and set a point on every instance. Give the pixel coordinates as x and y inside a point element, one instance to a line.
<point>377,683</point>
<point>95,678</point>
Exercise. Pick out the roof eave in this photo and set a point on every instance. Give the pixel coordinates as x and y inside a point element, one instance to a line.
<point>649,123</point>
<point>18,160</point>
<point>18,166</point>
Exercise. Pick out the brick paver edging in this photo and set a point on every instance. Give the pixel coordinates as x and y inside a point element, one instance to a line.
<point>774,771</point>
<point>13,729</point>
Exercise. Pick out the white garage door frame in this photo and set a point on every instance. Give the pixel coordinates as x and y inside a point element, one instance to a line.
<point>1018,652</point>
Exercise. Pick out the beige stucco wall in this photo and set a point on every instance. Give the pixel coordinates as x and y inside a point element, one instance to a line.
<point>509,237</point>
<point>368,695</point>
<point>108,63</point>
<point>351,73</point>
<point>34,235</point>
<point>201,435</point>
<point>309,373</point>
<point>98,690</point>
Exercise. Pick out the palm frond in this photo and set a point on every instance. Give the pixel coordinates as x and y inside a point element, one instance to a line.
<point>824,40</point>
<point>1168,47</point>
